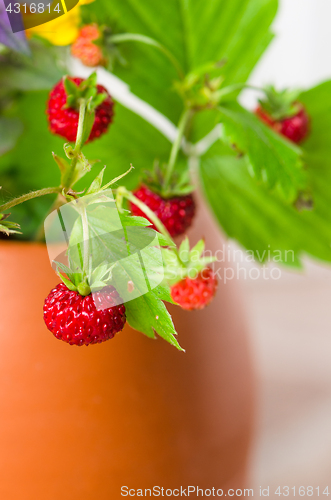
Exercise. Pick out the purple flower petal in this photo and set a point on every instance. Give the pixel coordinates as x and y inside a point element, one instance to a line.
<point>16,41</point>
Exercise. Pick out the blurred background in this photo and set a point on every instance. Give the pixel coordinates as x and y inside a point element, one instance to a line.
<point>290,318</point>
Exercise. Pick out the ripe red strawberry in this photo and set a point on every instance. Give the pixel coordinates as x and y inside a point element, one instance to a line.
<point>176,213</point>
<point>75,319</point>
<point>282,111</point>
<point>63,120</point>
<point>295,128</point>
<point>89,53</point>
<point>195,293</point>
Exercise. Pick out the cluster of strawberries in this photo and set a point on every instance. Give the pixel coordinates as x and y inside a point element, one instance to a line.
<point>86,47</point>
<point>64,309</point>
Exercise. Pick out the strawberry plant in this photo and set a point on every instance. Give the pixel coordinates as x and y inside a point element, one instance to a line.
<point>263,172</point>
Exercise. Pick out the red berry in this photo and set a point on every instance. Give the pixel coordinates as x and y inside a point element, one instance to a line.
<point>295,128</point>
<point>195,293</point>
<point>176,213</point>
<point>89,53</point>
<point>64,121</point>
<point>75,319</point>
<point>90,32</point>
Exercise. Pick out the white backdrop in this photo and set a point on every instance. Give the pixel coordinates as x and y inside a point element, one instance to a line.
<point>300,53</point>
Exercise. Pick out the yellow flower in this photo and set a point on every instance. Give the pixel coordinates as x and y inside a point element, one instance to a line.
<point>60,31</point>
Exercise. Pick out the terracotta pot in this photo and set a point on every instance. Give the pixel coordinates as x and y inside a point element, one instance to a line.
<point>79,423</point>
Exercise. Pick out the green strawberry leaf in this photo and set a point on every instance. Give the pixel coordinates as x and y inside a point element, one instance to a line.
<point>262,222</point>
<point>317,147</point>
<point>148,315</point>
<point>271,158</point>
<point>133,220</point>
<point>163,293</point>
<point>181,28</point>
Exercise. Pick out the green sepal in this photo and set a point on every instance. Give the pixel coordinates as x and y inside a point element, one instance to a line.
<point>179,184</point>
<point>73,278</point>
<point>67,282</point>
<point>8,227</point>
<point>76,282</point>
<point>71,90</point>
<point>86,90</point>
<point>184,251</point>
<point>280,104</point>
<point>95,102</point>
<point>84,289</point>
<point>183,263</point>
<point>198,248</point>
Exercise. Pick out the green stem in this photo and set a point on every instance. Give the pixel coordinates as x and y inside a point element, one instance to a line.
<point>176,146</point>
<point>29,196</point>
<point>78,145</point>
<point>80,129</point>
<point>122,192</point>
<point>135,37</point>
